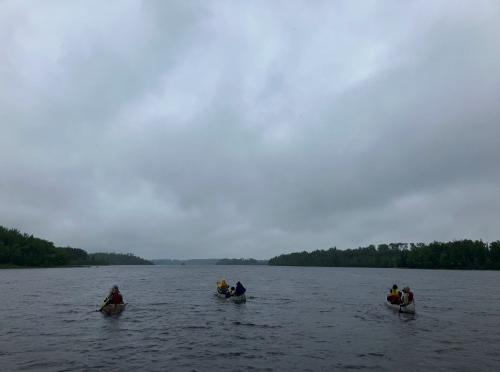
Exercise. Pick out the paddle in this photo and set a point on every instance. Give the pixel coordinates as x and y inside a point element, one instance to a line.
<point>106,301</point>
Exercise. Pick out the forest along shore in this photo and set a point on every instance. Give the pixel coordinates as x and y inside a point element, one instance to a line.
<point>459,254</point>
<point>18,250</point>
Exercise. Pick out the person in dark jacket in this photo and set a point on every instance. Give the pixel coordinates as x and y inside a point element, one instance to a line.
<point>240,290</point>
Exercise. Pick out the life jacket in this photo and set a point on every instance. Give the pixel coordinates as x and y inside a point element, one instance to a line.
<point>394,292</point>
<point>222,284</point>
<point>116,298</point>
<point>410,297</point>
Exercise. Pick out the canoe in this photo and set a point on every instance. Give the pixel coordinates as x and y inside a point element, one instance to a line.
<point>113,309</point>
<point>235,299</point>
<point>408,309</point>
<point>238,299</point>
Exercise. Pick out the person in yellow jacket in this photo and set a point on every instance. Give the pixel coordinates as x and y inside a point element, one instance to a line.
<point>394,295</point>
<point>222,286</point>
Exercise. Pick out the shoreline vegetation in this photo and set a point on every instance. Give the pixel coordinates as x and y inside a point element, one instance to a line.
<point>241,261</point>
<point>193,261</point>
<point>460,254</point>
<point>210,261</point>
<point>20,250</point>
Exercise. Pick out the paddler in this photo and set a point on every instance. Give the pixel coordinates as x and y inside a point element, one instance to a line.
<point>114,297</point>
<point>394,295</point>
<point>240,290</point>
<point>230,292</point>
<point>407,296</point>
<point>222,286</point>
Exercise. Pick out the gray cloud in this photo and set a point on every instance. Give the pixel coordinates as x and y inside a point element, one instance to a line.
<point>249,129</point>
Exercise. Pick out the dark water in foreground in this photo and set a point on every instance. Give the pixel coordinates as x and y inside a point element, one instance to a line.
<point>295,319</point>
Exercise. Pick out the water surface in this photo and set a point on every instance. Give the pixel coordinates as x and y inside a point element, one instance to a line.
<point>295,319</point>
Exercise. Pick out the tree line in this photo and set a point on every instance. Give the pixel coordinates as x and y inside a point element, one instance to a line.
<point>241,261</point>
<point>21,249</point>
<point>459,254</point>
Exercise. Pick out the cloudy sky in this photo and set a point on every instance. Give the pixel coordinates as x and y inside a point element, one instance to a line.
<point>182,129</point>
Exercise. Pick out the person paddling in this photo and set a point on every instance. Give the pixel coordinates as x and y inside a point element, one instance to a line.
<point>230,292</point>
<point>407,297</point>
<point>240,290</point>
<point>222,287</point>
<point>394,295</point>
<point>114,297</point>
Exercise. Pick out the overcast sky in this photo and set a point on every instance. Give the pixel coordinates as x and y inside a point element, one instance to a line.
<point>182,129</point>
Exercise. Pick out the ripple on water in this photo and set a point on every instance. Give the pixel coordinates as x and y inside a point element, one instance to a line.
<point>282,327</point>
<point>237,323</point>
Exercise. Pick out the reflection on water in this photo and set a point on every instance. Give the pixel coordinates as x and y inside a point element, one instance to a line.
<point>294,319</point>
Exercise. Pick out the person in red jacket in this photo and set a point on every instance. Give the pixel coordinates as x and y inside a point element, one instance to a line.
<point>115,297</point>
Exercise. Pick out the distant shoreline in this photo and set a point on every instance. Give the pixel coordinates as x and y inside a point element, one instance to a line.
<point>208,261</point>
<point>21,250</point>
<point>454,255</point>
<point>8,267</point>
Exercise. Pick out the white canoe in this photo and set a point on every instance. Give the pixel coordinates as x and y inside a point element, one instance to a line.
<point>408,309</point>
<point>113,309</point>
<point>236,299</point>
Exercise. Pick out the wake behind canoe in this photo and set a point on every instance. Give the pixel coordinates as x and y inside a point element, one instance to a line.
<point>408,309</point>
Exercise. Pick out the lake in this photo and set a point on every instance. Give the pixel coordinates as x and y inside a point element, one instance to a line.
<point>295,318</point>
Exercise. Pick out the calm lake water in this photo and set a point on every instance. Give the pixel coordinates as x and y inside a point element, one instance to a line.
<point>295,319</point>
